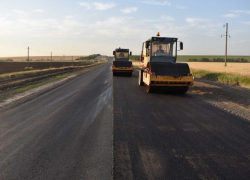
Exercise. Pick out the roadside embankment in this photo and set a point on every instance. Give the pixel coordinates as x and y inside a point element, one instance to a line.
<point>38,85</point>
<point>12,80</point>
<point>10,67</point>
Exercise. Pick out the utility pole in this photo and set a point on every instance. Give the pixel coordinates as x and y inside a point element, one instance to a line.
<point>226,25</point>
<point>72,60</point>
<point>28,57</point>
<point>51,60</point>
<point>63,61</point>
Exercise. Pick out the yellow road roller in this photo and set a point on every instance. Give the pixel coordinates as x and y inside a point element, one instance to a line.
<point>159,70</point>
<point>121,64</point>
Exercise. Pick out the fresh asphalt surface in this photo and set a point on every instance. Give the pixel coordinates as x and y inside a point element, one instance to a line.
<point>64,134</point>
<point>167,136</point>
<point>103,127</point>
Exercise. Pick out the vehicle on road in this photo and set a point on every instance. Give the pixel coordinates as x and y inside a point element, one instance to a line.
<point>121,64</point>
<point>159,70</point>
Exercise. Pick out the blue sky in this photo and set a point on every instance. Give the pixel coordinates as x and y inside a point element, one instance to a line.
<point>87,27</point>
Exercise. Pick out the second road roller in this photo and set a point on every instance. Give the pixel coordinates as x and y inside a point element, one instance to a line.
<point>159,70</point>
<point>121,64</point>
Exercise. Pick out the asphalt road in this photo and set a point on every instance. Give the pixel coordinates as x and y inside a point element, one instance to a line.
<point>103,127</point>
<point>166,136</point>
<point>63,134</point>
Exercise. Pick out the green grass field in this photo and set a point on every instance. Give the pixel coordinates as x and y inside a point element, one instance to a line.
<point>185,58</point>
<point>90,57</point>
<point>134,58</point>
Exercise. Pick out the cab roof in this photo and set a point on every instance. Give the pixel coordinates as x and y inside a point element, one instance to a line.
<point>161,38</point>
<point>121,50</point>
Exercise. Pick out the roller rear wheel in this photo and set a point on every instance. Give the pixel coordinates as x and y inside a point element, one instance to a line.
<point>129,74</point>
<point>176,89</point>
<point>150,89</point>
<point>182,90</point>
<point>140,80</point>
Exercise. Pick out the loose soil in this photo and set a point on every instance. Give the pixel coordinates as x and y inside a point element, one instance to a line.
<point>232,99</point>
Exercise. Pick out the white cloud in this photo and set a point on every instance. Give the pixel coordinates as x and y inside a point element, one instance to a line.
<point>148,20</point>
<point>85,4</point>
<point>129,10</point>
<point>170,30</point>
<point>125,27</point>
<point>229,15</point>
<point>162,18</point>
<point>103,6</point>
<point>241,11</point>
<point>98,5</point>
<point>202,26</point>
<point>38,10</point>
<point>167,18</point>
<point>247,22</point>
<point>37,23</point>
<point>196,20</point>
<point>20,13</point>
<point>71,26</point>
<point>70,17</point>
<point>153,2</point>
<point>182,7</point>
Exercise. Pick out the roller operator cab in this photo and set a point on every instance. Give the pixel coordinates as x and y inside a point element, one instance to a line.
<point>121,64</point>
<point>159,70</point>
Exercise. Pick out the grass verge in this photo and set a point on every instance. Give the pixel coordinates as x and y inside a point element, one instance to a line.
<point>40,84</point>
<point>32,72</point>
<point>233,79</point>
<point>52,80</point>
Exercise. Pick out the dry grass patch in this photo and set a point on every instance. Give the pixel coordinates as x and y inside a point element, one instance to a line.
<point>136,63</point>
<point>234,74</point>
<point>242,69</point>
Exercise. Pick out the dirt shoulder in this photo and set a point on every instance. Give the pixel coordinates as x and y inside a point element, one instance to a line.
<point>232,99</point>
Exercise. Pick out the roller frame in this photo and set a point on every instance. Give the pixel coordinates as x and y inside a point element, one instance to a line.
<point>152,80</point>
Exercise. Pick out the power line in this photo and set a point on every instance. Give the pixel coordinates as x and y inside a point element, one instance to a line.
<point>28,57</point>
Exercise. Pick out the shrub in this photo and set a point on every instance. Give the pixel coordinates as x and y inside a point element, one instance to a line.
<point>29,68</point>
<point>6,60</point>
<point>88,57</point>
<point>135,57</point>
<point>239,60</point>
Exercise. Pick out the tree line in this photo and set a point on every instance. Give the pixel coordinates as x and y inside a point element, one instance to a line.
<point>239,60</point>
